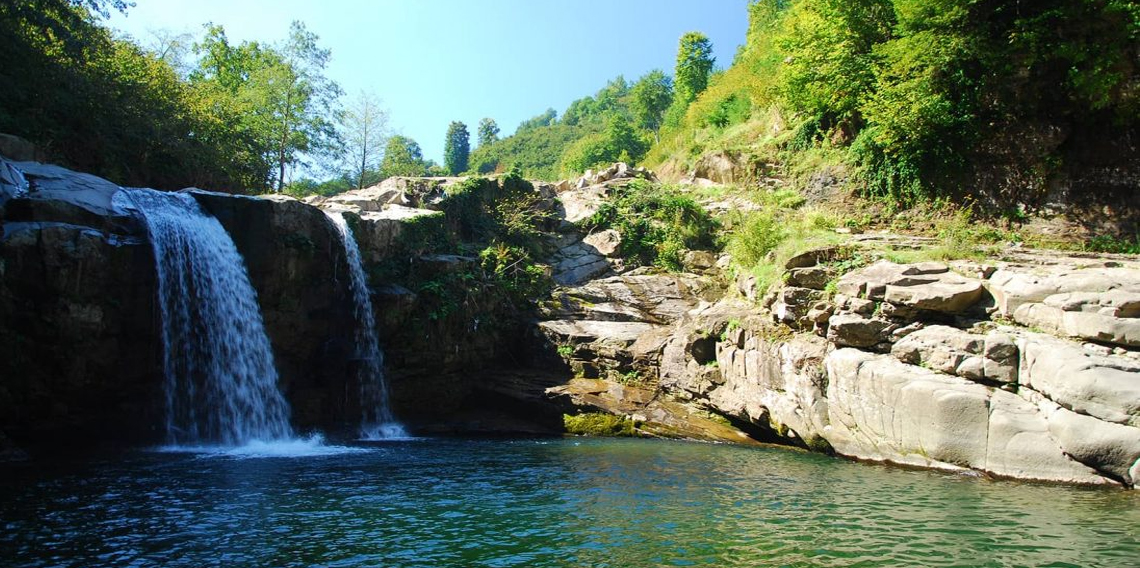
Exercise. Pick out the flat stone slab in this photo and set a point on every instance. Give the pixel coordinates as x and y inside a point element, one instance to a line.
<point>1094,326</point>
<point>89,192</point>
<point>589,331</point>
<point>1015,286</point>
<point>925,286</point>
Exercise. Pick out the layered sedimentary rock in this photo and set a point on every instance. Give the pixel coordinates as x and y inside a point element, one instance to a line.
<point>913,371</point>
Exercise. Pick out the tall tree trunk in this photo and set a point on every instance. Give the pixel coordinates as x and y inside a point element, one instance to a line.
<point>363,161</point>
<point>281,167</point>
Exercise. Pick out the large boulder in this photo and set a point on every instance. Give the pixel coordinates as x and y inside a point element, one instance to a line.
<point>1113,449</point>
<point>991,357</point>
<point>926,286</point>
<point>853,330</point>
<point>1103,386</point>
<point>1020,445</point>
<point>605,242</point>
<point>882,409</point>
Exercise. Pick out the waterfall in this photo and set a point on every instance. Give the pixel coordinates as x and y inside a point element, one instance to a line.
<point>376,421</point>
<point>221,384</point>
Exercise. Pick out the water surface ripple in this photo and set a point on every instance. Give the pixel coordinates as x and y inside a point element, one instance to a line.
<point>528,503</point>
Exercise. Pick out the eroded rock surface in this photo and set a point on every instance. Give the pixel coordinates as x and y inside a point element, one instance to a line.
<point>903,365</point>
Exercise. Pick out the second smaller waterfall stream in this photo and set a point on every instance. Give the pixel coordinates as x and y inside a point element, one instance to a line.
<point>377,422</point>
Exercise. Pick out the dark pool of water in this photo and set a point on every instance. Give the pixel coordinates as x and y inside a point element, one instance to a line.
<point>573,502</point>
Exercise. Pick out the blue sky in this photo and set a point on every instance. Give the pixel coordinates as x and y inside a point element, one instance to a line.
<point>435,61</point>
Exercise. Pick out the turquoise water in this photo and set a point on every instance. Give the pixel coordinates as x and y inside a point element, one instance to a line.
<point>572,502</point>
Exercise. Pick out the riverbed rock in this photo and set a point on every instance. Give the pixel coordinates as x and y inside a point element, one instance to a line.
<point>79,343</point>
<point>1113,449</point>
<point>793,304</point>
<point>882,409</point>
<point>605,242</point>
<point>416,193</point>
<point>992,357</point>
<point>1020,445</point>
<point>580,204</point>
<point>649,298</point>
<point>1013,286</point>
<point>853,330</point>
<point>815,277</point>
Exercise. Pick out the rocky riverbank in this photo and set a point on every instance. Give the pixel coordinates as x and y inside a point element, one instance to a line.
<point>1023,365</point>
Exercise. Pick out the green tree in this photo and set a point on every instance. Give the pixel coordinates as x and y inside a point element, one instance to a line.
<point>457,148</point>
<point>402,157</point>
<point>545,119</point>
<point>301,102</point>
<point>651,96</point>
<point>694,65</point>
<point>618,142</point>
<point>278,99</point>
<point>488,132</point>
<point>364,129</point>
<point>829,64</point>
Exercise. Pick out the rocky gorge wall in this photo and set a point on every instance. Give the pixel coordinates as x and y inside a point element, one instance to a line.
<point>1025,365</point>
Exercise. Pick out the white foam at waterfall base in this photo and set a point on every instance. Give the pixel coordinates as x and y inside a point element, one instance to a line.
<point>220,379</point>
<point>377,421</point>
<point>311,446</point>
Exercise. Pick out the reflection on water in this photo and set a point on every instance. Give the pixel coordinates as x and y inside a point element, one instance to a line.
<point>546,503</point>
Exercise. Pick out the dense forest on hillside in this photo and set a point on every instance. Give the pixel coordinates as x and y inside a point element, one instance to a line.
<point>991,99</point>
<point>994,99</point>
<point>912,99</point>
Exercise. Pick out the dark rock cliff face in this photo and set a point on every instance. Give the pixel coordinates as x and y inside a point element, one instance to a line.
<point>79,350</point>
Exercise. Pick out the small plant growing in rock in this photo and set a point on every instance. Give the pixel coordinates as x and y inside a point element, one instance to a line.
<point>565,351</point>
<point>631,377</point>
<point>733,325</point>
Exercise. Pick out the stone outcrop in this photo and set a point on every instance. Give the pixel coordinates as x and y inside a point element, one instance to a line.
<point>903,365</point>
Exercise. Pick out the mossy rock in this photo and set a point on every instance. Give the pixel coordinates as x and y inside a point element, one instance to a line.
<point>599,424</point>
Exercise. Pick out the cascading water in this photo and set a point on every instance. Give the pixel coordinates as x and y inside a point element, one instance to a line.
<point>221,384</point>
<point>377,421</point>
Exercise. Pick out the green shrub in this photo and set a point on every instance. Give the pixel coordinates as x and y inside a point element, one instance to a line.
<point>757,235</point>
<point>657,224</point>
<point>514,272</point>
<point>1101,243</point>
